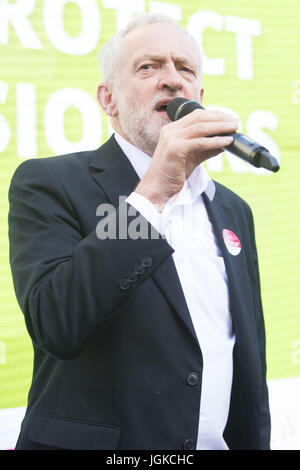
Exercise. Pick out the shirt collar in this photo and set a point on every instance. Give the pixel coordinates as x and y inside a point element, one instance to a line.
<point>197,183</point>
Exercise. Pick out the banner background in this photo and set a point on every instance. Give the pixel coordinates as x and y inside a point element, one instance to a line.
<point>48,83</point>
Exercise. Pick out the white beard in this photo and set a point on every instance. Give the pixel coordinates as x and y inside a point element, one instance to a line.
<point>141,126</point>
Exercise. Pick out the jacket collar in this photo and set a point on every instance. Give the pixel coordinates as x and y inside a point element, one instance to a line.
<point>112,170</point>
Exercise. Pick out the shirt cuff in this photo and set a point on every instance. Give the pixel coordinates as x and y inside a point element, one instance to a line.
<point>159,220</point>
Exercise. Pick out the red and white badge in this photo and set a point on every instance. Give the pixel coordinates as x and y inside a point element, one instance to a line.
<point>232,242</point>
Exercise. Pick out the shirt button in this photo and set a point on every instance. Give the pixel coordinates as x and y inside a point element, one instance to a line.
<point>124,284</point>
<point>189,444</point>
<point>147,261</point>
<point>192,379</point>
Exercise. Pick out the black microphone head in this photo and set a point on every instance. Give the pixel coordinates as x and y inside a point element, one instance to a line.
<point>266,160</point>
<point>179,107</point>
<point>173,106</point>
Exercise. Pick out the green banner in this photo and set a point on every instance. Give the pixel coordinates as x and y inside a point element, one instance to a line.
<point>49,73</point>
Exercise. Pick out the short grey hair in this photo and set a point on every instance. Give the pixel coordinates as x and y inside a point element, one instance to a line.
<point>109,54</point>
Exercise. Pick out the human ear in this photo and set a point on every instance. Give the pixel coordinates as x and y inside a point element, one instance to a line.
<point>106,99</point>
<point>201,95</point>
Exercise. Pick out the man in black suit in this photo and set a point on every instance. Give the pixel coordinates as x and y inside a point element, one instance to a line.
<point>138,275</point>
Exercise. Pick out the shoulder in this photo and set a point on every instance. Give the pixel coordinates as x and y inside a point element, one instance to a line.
<point>60,163</point>
<point>66,166</point>
<point>230,198</point>
<point>67,170</point>
<point>49,176</point>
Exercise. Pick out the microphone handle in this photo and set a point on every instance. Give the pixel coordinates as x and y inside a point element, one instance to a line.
<point>251,152</point>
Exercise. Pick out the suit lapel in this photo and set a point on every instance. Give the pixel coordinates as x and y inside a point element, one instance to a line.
<point>113,172</point>
<point>242,308</point>
<point>223,217</point>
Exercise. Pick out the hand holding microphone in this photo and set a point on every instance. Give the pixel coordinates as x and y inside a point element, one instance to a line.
<point>190,139</point>
<point>182,145</point>
<point>242,146</point>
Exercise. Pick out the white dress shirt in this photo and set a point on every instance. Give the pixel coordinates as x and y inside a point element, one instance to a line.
<point>201,270</point>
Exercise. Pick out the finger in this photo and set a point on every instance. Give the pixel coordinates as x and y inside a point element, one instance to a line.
<point>204,149</point>
<point>203,156</point>
<point>205,144</point>
<point>204,115</point>
<point>203,129</point>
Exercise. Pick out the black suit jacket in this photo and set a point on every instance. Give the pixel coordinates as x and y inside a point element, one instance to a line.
<point>114,344</point>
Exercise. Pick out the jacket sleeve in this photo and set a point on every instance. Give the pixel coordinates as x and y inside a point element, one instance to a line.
<point>67,285</point>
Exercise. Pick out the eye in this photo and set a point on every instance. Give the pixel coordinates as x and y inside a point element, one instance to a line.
<point>184,68</point>
<point>146,66</point>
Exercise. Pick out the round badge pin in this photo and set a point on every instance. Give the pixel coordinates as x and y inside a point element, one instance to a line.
<point>232,242</point>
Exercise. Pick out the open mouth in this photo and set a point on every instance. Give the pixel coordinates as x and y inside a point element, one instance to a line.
<point>162,108</point>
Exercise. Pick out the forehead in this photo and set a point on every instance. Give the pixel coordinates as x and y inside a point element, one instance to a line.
<point>159,39</point>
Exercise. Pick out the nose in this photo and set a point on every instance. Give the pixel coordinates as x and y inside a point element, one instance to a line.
<point>170,78</point>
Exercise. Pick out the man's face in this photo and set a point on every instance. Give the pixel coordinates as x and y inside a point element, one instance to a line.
<point>158,63</point>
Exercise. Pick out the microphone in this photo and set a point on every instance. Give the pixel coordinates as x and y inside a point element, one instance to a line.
<point>242,146</point>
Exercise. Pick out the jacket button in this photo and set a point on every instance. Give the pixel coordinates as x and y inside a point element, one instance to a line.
<point>139,269</point>
<point>147,261</point>
<point>132,277</point>
<point>124,284</point>
<point>189,444</point>
<point>192,379</point>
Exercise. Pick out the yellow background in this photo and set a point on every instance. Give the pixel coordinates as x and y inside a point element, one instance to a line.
<point>38,74</point>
